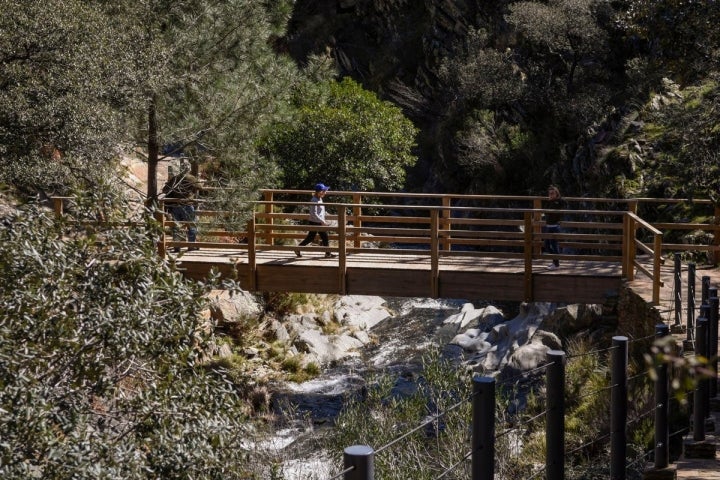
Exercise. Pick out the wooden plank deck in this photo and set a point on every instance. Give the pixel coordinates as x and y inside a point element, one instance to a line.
<point>466,277</point>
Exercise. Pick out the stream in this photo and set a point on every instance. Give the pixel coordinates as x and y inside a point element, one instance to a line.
<point>416,328</point>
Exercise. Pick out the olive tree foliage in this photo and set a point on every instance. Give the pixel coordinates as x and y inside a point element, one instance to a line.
<point>101,361</point>
<point>66,88</point>
<point>344,136</point>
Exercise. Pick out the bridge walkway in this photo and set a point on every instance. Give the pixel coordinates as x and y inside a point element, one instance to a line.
<point>385,274</point>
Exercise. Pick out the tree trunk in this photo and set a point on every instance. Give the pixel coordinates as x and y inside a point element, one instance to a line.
<point>153,152</point>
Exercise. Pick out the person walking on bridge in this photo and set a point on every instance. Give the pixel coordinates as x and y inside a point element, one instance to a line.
<point>317,217</point>
<point>552,223</point>
<point>180,191</point>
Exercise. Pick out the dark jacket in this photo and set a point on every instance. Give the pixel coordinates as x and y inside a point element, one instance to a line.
<point>182,186</point>
<point>554,218</point>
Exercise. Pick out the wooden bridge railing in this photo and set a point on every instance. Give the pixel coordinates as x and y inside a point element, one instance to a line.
<point>439,226</point>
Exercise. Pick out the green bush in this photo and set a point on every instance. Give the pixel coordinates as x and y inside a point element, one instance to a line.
<point>101,372</point>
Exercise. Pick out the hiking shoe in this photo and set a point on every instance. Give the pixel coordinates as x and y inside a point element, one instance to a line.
<point>298,254</point>
<point>552,266</point>
<point>329,255</point>
<point>193,249</point>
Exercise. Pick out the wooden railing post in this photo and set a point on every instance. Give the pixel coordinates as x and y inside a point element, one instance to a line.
<point>252,258</point>
<point>528,251</point>
<point>434,253</point>
<point>657,260</point>
<point>537,219</point>
<point>58,206</point>
<point>268,196</point>
<point>160,218</point>
<point>445,224</point>
<point>357,223</point>
<point>342,251</point>
<point>624,249</point>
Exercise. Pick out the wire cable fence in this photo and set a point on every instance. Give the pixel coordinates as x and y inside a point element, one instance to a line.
<point>481,458</point>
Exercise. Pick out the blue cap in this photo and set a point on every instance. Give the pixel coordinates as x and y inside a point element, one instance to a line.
<point>321,187</point>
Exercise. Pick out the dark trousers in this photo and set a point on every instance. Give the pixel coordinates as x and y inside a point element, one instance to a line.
<point>551,244</point>
<point>183,213</point>
<point>324,239</point>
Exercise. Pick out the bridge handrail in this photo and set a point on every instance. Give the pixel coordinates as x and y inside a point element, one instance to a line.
<point>448,225</point>
<point>633,223</point>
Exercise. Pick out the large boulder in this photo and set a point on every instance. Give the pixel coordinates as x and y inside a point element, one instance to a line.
<point>230,307</point>
<point>360,311</point>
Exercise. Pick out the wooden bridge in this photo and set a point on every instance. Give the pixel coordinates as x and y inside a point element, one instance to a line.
<point>439,245</point>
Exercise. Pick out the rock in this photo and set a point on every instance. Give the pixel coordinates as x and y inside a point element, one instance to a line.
<point>573,318</point>
<point>224,351</point>
<point>327,349</point>
<point>363,336</point>
<point>280,332</point>
<point>227,308</point>
<point>361,311</point>
<point>470,315</point>
<point>250,352</point>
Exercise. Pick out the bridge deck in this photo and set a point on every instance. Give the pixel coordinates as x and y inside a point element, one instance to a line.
<point>468,277</point>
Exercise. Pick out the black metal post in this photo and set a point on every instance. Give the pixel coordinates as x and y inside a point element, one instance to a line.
<point>701,388</point>
<point>705,286</point>
<point>690,302</point>
<point>555,428</point>
<point>362,459</point>
<point>712,342</point>
<point>662,408</point>
<point>483,429</point>
<point>677,291</point>
<point>618,408</point>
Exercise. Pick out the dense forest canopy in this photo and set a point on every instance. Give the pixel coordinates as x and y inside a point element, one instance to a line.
<point>504,97</point>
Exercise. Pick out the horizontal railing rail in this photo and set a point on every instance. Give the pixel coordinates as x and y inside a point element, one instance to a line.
<point>439,226</point>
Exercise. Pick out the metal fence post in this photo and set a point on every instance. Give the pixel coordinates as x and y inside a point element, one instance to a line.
<point>483,428</point>
<point>618,408</point>
<point>662,407</point>
<point>362,459</point>
<point>705,286</point>
<point>555,428</point>
<point>677,291</point>
<point>690,306</point>
<point>701,390</point>
<point>712,341</point>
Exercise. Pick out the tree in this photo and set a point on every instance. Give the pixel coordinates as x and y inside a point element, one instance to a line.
<point>83,80</point>
<point>344,136</point>
<point>65,89</point>
<point>103,370</point>
<point>564,33</point>
<point>680,35</point>
<point>211,81</point>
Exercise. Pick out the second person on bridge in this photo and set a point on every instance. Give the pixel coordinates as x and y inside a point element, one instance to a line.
<point>317,217</point>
